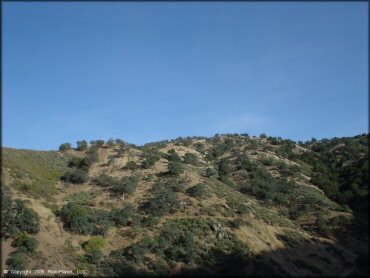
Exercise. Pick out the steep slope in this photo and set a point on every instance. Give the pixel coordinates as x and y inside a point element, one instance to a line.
<point>226,204</point>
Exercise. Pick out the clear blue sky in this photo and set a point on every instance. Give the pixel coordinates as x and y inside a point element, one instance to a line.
<point>151,71</point>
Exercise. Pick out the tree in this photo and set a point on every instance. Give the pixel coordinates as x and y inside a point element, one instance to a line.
<point>81,145</point>
<point>65,147</point>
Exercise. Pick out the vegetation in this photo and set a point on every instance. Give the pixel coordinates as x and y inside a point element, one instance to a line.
<point>196,218</point>
<point>17,217</point>
<point>65,147</point>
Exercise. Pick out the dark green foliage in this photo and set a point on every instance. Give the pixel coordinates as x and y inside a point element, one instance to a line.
<point>81,145</point>
<point>224,167</point>
<point>191,158</point>
<point>111,142</point>
<point>210,172</point>
<point>76,176</point>
<point>18,261</point>
<point>95,257</point>
<point>150,160</point>
<point>120,143</point>
<point>105,181</point>
<point>124,216</point>
<point>198,191</point>
<point>322,225</point>
<point>175,168</point>
<point>199,147</point>
<point>17,217</point>
<point>77,162</point>
<point>25,243</point>
<point>163,200</point>
<point>163,203</point>
<point>85,163</point>
<point>96,144</point>
<point>173,156</point>
<point>85,221</point>
<point>131,165</point>
<point>125,185</point>
<point>227,180</point>
<point>65,147</point>
<point>91,157</point>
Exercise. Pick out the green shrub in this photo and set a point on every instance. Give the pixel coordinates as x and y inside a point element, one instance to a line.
<point>25,243</point>
<point>191,158</point>
<point>125,185</point>
<point>105,181</point>
<point>198,191</point>
<point>96,243</point>
<point>210,172</point>
<point>131,165</point>
<point>224,167</point>
<point>76,176</point>
<point>175,169</point>
<point>65,147</point>
<point>81,145</point>
<point>150,160</point>
<point>18,261</point>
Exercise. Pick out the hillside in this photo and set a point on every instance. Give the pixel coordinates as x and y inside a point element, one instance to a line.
<point>230,204</point>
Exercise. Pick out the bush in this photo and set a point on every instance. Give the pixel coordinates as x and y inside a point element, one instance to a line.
<point>81,145</point>
<point>210,172</point>
<point>173,156</point>
<point>125,185</point>
<point>131,165</point>
<point>191,158</point>
<point>175,169</point>
<point>18,217</point>
<point>122,217</point>
<point>76,176</point>
<point>96,243</point>
<point>111,142</point>
<point>198,191</point>
<point>224,167</point>
<point>65,147</point>
<point>150,160</point>
<point>105,181</point>
<point>162,203</point>
<point>91,157</point>
<point>228,181</point>
<point>95,257</point>
<point>85,221</point>
<point>25,243</point>
<point>18,261</point>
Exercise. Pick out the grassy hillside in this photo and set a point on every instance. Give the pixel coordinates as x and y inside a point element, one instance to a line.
<point>33,172</point>
<point>198,206</point>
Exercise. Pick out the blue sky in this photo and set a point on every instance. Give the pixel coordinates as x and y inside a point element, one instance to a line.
<point>150,71</point>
